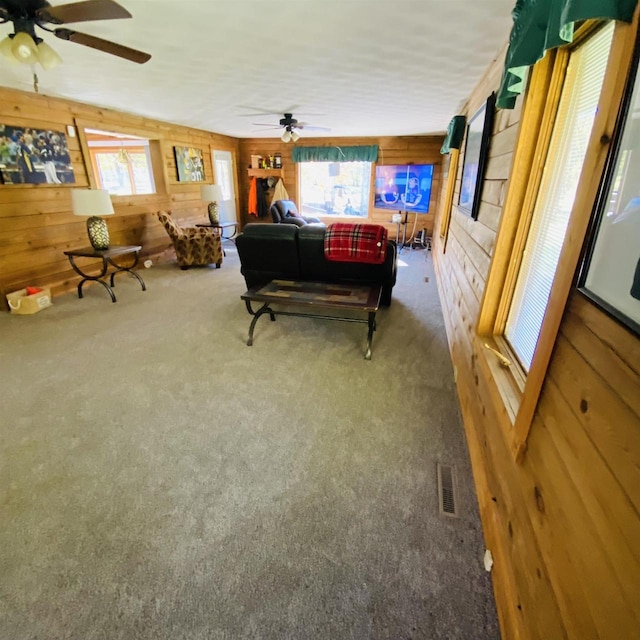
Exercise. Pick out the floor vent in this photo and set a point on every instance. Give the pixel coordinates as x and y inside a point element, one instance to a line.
<point>447,490</point>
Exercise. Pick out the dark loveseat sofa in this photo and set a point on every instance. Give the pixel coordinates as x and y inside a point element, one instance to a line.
<point>284,251</point>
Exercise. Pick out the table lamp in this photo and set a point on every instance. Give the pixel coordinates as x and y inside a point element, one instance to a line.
<point>213,194</point>
<point>93,203</point>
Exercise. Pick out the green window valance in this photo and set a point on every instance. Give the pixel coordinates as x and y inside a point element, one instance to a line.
<point>540,25</point>
<point>455,134</point>
<point>368,153</point>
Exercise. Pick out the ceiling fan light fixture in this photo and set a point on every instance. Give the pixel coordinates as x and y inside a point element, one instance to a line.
<point>286,136</point>
<point>123,156</point>
<point>6,50</point>
<point>48,57</point>
<point>295,136</point>
<point>24,48</point>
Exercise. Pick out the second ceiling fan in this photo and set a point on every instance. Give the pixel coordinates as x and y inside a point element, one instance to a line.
<point>291,127</point>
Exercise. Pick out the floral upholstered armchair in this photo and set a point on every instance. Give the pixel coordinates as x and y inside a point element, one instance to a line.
<point>193,245</point>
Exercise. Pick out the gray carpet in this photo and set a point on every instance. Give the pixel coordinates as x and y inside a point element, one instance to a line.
<point>161,480</point>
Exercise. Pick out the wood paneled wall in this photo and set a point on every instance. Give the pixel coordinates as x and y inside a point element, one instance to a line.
<point>563,525</point>
<point>36,223</point>
<point>393,150</point>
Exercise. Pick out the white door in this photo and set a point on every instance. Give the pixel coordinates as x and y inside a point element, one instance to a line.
<point>223,172</point>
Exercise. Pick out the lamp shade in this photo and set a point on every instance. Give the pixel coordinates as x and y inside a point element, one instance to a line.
<point>211,192</point>
<point>91,202</point>
<point>6,49</point>
<point>286,136</point>
<point>24,48</point>
<point>47,56</point>
<point>295,136</point>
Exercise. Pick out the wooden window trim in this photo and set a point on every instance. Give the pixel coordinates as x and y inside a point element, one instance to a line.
<point>514,394</point>
<point>454,156</point>
<point>156,152</point>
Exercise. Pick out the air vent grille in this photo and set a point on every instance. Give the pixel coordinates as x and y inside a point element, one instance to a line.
<point>447,490</point>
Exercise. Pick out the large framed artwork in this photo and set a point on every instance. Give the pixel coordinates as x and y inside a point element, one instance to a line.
<point>189,163</point>
<point>476,154</point>
<point>610,272</point>
<point>34,156</point>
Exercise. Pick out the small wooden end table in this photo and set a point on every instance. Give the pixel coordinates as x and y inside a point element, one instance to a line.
<point>107,257</point>
<point>316,295</point>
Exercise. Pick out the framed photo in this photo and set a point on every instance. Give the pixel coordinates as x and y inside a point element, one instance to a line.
<point>189,164</point>
<point>610,272</point>
<point>476,154</point>
<point>34,156</point>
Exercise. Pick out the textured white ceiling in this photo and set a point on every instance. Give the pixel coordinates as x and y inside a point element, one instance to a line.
<point>367,67</point>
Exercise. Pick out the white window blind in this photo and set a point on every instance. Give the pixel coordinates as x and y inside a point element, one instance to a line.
<point>572,129</point>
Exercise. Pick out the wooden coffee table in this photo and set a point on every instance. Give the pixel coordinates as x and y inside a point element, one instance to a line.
<point>317,295</point>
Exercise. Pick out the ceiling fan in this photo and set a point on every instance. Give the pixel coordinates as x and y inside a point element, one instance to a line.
<point>291,127</point>
<point>25,46</point>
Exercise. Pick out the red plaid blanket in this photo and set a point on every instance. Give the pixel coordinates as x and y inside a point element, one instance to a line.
<point>345,242</point>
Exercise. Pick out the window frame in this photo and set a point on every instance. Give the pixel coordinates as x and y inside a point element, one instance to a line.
<point>338,216</point>
<point>141,149</point>
<point>450,173</point>
<point>156,154</point>
<point>514,392</point>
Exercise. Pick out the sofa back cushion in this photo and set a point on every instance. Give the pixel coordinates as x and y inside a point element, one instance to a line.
<point>268,252</point>
<point>315,266</point>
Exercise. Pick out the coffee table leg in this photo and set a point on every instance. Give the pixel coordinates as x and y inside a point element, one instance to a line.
<point>372,328</point>
<point>256,315</point>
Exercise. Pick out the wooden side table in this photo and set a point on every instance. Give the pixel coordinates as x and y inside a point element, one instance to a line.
<point>107,257</point>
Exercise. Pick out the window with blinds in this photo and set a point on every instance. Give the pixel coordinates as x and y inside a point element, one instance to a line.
<point>567,149</point>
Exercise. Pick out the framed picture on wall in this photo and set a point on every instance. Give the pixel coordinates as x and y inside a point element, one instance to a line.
<point>610,273</point>
<point>189,164</point>
<point>34,156</point>
<point>476,154</point>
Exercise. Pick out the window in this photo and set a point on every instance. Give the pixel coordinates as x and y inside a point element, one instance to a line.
<point>335,188</point>
<point>573,97</point>
<point>567,149</point>
<point>121,164</point>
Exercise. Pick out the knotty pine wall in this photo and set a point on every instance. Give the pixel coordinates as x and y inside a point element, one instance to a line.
<point>563,525</point>
<point>36,222</point>
<point>393,150</point>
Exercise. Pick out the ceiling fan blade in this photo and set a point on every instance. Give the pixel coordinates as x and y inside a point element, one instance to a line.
<point>308,127</point>
<point>256,114</point>
<point>82,12</point>
<point>103,45</point>
<point>264,124</point>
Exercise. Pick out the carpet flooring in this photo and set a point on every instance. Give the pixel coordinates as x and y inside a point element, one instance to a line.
<point>161,480</point>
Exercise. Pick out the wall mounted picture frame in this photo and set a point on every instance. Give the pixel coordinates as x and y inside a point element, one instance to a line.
<point>476,155</point>
<point>610,270</point>
<point>190,164</point>
<point>34,156</point>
